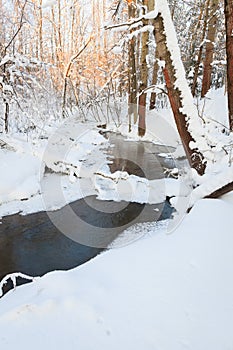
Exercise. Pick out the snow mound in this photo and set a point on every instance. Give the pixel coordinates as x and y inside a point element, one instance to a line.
<point>162,292</point>
<point>19,176</point>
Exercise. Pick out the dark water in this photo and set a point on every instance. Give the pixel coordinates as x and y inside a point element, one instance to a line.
<point>34,245</point>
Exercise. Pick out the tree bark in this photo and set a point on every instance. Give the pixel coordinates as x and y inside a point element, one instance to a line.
<point>6,116</point>
<point>212,26</point>
<point>67,73</point>
<point>143,77</point>
<point>194,156</point>
<point>221,191</point>
<point>228,8</point>
<point>132,75</point>
<point>197,65</point>
<point>41,31</point>
<point>154,81</point>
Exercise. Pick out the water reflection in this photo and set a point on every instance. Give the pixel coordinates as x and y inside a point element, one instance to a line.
<point>138,158</point>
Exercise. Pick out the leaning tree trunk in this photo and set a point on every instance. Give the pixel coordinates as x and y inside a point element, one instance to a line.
<point>229,50</point>
<point>212,26</point>
<point>194,156</point>
<point>188,123</point>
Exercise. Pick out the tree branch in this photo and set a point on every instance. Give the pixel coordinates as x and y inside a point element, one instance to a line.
<point>21,23</point>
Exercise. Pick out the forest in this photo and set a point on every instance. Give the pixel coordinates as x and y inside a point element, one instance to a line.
<point>116,181</point>
<point>60,58</point>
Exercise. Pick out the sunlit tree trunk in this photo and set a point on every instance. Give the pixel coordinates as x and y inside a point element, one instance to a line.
<point>19,46</point>
<point>209,54</point>
<point>229,50</point>
<point>41,31</point>
<point>105,33</point>
<point>55,39</point>
<point>59,26</point>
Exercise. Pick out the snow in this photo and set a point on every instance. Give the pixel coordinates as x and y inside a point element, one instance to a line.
<point>161,292</point>
<point>151,14</point>
<point>19,177</point>
<point>117,50</point>
<point>74,154</point>
<point>215,108</point>
<point>171,287</point>
<point>72,148</point>
<point>48,3</point>
<point>211,144</point>
<point>160,129</point>
<point>122,186</point>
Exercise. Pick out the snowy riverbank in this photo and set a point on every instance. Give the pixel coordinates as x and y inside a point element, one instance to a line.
<point>162,292</point>
<point>73,156</point>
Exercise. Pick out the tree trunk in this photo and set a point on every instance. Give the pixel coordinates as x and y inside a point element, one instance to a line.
<point>174,5</point>
<point>229,51</point>
<point>132,75</point>
<point>67,74</point>
<point>154,81</point>
<point>143,79</point>
<point>194,156</point>
<point>197,65</point>
<point>41,31</point>
<point>6,116</point>
<point>212,26</point>
<point>195,29</point>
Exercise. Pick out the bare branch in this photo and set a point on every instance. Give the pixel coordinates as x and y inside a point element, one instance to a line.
<point>21,23</point>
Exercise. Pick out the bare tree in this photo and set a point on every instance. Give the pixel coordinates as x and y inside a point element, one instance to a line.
<point>5,74</point>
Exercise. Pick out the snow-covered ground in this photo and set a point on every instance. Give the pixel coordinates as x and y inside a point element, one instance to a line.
<point>164,291</point>
<point>73,151</point>
<point>161,292</point>
<point>67,161</point>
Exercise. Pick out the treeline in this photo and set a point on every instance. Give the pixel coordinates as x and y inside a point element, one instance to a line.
<point>59,57</point>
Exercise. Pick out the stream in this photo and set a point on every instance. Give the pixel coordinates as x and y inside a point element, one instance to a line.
<point>33,245</point>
